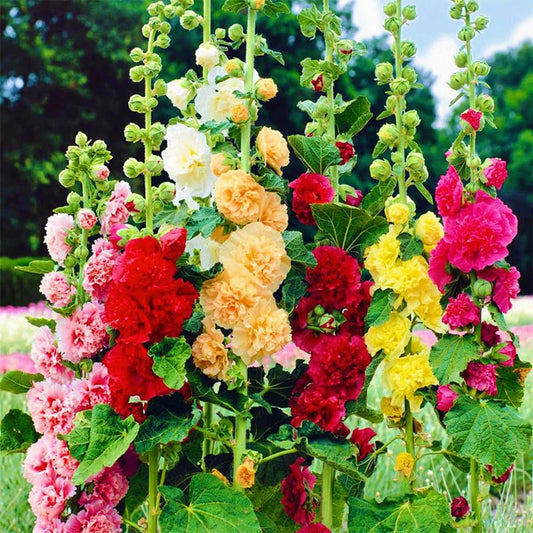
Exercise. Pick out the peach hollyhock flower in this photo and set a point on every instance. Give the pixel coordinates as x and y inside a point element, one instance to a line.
<point>239,113</point>
<point>266,89</point>
<point>219,164</point>
<point>208,351</point>
<point>246,474</point>
<point>260,251</point>
<point>404,464</point>
<point>391,337</point>
<point>264,330</point>
<point>274,213</point>
<point>273,148</point>
<point>226,299</point>
<point>239,197</point>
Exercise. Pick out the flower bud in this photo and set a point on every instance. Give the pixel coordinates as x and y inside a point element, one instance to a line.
<point>165,27</point>
<point>135,203</point>
<point>163,40</point>
<point>411,119</point>
<point>457,80</point>
<point>99,147</point>
<point>84,160</point>
<point>482,289</point>
<point>99,173</point>
<point>397,213</point>
<point>187,3</point>
<point>235,32</point>
<point>461,59</point>
<point>169,12</point>
<point>472,6</point>
<point>481,68</point>
<point>415,162</point>
<point>132,133</point>
<point>234,68</point>
<point>189,20</point>
<point>138,104</point>
<point>345,46</point>
<point>408,49</point>
<point>456,12</point>
<point>167,191</point>
<point>388,134</point>
<point>151,69</point>
<point>155,8</point>
<point>409,73</point>
<point>70,261</point>
<point>319,310</point>
<point>481,22</point>
<point>239,113</point>
<point>86,219</point>
<point>81,139</point>
<point>136,54</point>
<point>256,4</point>
<point>266,89</point>
<point>160,87</point>
<point>409,12</point>
<point>207,55</point>
<point>260,45</point>
<point>473,162</point>
<point>390,9</point>
<point>67,178</point>
<point>132,168</point>
<point>393,25</point>
<point>137,73</point>
<point>157,134</point>
<point>392,102</point>
<point>384,71</point>
<point>400,86</point>
<point>81,252</point>
<point>380,169</point>
<point>73,199</point>
<point>154,165</point>
<point>146,30</point>
<point>485,103</point>
<point>466,34</point>
<point>73,153</point>
<point>220,33</point>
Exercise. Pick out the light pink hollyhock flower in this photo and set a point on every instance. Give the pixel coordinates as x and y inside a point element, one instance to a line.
<point>445,398</point>
<point>506,286</point>
<point>46,356</point>
<point>96,518</point>
<point>110,486</point>
<point>496,173</point>
<point>116,211</point>
<point>98,272</point>
<point>57,227</point>
<point>449,193</point>
<point>94,389</point>
<point>438,264</point>
<point>288,355</point>
<point>481,377</point>
<point>45,526</point>
<point>81,335</point>
<point>472,117</point>
<point>461,312</point>
<point>48,497</point>
<point>86,219</point>
<point>56,289</point>
<point>100,173</point>
<point>510,351</point>
<point>52,407</point>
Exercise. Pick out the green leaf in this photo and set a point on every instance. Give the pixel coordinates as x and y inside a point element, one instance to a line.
<point>379,149</point>
<point>424,192</point>
<point>137,491</point>
<point>313,67</point>
<point>170,356</point>
<point>350,228</point>
<point>498,317</point>
<point>98,439</point>
<point>171,215</point>
<point>450,355</point>
<point>267,504</point>
<point>272,182</point>
<point>374,201</point>
<point>425,512</point>
<point>39,321</point>
<point>510,387</point>
<point>170,420</point>
<point>203,221</point>
<point>310,20</point>
<point>263,46</point>
<point>18,382</point>
<point>38,267</point>
<point>234,6</point>
<point>296,250</point>
<point>17,433</point>
<point>409,246</point>
<point>384,114</point>
<point>293,290</point>
<point>194,323</point>
<point>307,106</point>
<point>212,507</point>
<point>380,307</point>
<point>488,431</point>
<point>316,153</point>
<point>354,117</point>
<point>273,8</point>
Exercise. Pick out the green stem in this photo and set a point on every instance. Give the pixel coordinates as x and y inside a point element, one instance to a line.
<point>475,503</point>
<point>326,503</point>
<point>153,469</point>
<point>207,421</point>
<point>148,142</point>
<point>161,482</point>
<point>206,26</point>
<point>246,130</point>
<point>240,446</point>
<point>80,296</point>
<point>133,525</point>
<point>276,455</point>
<point>409,435</point>
<point>471,78</point>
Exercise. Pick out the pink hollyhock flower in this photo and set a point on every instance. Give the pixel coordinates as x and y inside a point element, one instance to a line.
<point>346,150</point>
<point>459,507</point>
<point>56,289</point>
<point>100,173</point>
<point>98,271</point>
<point>57,228</point>
<point>110,486</point>
<point>438,264</point>
<point>314,528</point>
<point>481,377</point>
<point>48,497</point>
<point>354,199</point>
<point>116,211</point>
<point>479,233</point>
<point>496,173</point>
<point>288,355</point>
<point>472,117</point>
<point>461,312</point>
<point>173,243</point>
<point>510,351</point>
<point>96,518</point>
<point>45,526</point>
<point>86,219</point>
<point>489,334</point>
<point>449,193</point>
<point>506,286</point>
<point>504,477</point>
<point>94,389</point>
<point>46,356</point>
<point>296,489</point>
<point>114,237</point>
<point>445,398</point>
<point>81,335</point>
<point>310,189</point>
<point>361,438</point>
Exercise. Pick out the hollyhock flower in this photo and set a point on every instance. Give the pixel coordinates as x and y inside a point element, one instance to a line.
<point>479,233</point>
<point>346,151</point>
<point>462,312</point>
<point>310,189</point>
<point>86,219</point>
<point>506,286</point>
<point>46,526</point>
<point>429,230</point>
<point>318,83</point>
<point>449,193</point>
<point>445,398</point>
<point>273,149</point>
<point>209,352</point>
<point>46,356</point>
<point>245,475</point>
<point>335,277</point>
<point>510,351</point>
<point>206,248</point>
<point>97,517</point>
<point>496,173</point>
<point>207,55</point>
<point>274,213</point>
<point>116,211</point>
<point>361,438</point>
<point>391,336</point>
<point>489,334</point>
<point>94,389</point>
<point>56,230</point>
<point>472,117</point>
<point>303,337</point>
<point>481,377</point>
<point>81,335</point>
<point>110,486</point>
<point>179,92</point>
<point>296,489</point>
<point>404,464</point>
<point>130,462</point>
<point>438,262</point>
<point>459,507</point>
<point>314,528</point>
<point>114,237</point>
<point>288,356</point>
<point>354,199</point>
<point>173,243</point>
<point>98,271</point>
<point>56,289</point>
<point>100,173</point>
<point>504,477</point>
<point>48,497</point>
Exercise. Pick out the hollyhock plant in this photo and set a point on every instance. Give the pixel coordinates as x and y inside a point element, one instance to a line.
<point>506,286</point>
<point>481,377</point>
<point>472,117</point>
<point>57,228</point>
<point>449,193</point>
<point>116,211</point>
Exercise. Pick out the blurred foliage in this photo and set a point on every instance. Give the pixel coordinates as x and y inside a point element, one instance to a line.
<point>18,287</point>
<point>65,68</point>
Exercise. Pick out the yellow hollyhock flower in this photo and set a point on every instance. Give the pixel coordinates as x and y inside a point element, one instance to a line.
<point>391,337</point>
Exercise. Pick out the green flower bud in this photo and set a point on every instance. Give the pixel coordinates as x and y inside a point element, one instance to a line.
<point>472,6</point>
<point>390,9</point>
<point>154,8</point>
<point>154,23</point>
<point>260,45</point>
<point>409,12</point>
<point>160,87</point>
<point>392,101</point>
<point>132,168</point>
<point>409,73</point>
<point>380,169</point>
<point>152,69</point>
<point>408,49</point>
<point>137,104</point>
<point>189,20</point>
<point>81,252</point>
<point>151,103</point>
<point>466,34</point>
<point>482,289</point>
<point>146,30</point>
<point>162,41</point>
<point>415,162</point>
<point>154,165</point>
<point>421,176</point>
<point>67,178</point>
<point>473,162</point>
<point>220,33</point>
<point>485,103</point>
<point>136,55</point>
<point>187,3</point>
<point>84,161</point>
<point>167,191</point>
<point>169,12</point>
<point>319,310</point>
<point>137,73</point>
<point>400,86</point>
<point>456,12</point>
<point>460,149</point>
<point>70,261</point>
<point>81,139</point>
<point>157,134</point>
<point>481,68</point>
<point>179,11</point>
<point>481,22</point>
<point>384,71</point>
<point>388,134</point>
<point>345,46</point>
<point>138,201</point>
<point>132,133</point>
<point>157,206</point>
<point>457,80</point>
<point>73,199</point>
<point>393,25</point>
<point>99,147</point>
<point>165,27</point>
<point>397,158</point>
<point>411,119</point>
<point>409,133</point>
<point>235,32</point>
<point>461,59</point>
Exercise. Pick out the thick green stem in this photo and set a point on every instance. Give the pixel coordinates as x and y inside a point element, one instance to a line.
<point>276,455</point>
<point>326,503</point>
<point>80,296</point>
<point>148,142</point>
<point>153,470</point>
<point>475,503</point>
<point>206,26</point>
<point>246,131</point>
<point>240,446</point>
<point>207,420</point>
<point>471,79</point>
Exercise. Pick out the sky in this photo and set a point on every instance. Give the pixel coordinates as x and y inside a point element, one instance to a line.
<point>435,35</point>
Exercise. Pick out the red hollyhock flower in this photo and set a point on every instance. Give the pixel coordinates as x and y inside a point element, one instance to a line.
<point>356,310</point>
<point>297,500</point>
<point>461,312</point>
<point>318,83</point>
<point>354,199</point>
<point>445,398</point>
<point>310,189</point>
<point>473,118</point>
<point>496,173</point>
<point>489,334</point>
<point>459,507</point>
<point>361,438</point>
<point>346,150</point>
<point>314,528</point>
<point>481,377</point>
<point>506,286</point>
<point>449,193</point>
<point>173,243</point>
<point>504,477</point>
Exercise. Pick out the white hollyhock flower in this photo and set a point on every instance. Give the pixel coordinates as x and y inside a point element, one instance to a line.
<point>207,248</point>
<point>207,55</point>
<point>187,160</point>
<point>179,93</point>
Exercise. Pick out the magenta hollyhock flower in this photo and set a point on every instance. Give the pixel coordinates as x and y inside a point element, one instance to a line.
<point>314,528</point>
<point>310,189</point>
<point>56,230</point>
<point>96,517</point>
<point>110,486</point>
<point>449,193</point>
<point>461,312</point>
<point>445,398</point>
<point>490,334</point>
<point>473,118</point>
<point>438,263</point>
<point>354,199</point>
<point>361,438</point>
<point>296,488</point>
<point>504,477</point>
<point>496,173</point>
<point>481,377</point>
<point>510,351</point>
<point>506,286</point>
<point>459,507</point>
<point>48,497</point>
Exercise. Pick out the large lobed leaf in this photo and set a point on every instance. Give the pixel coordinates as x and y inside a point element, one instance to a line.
<point>18,382</point>
<point>450,355</point>
<point>170,356</point>
<point>316,153</point>
<point>17,433</point>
